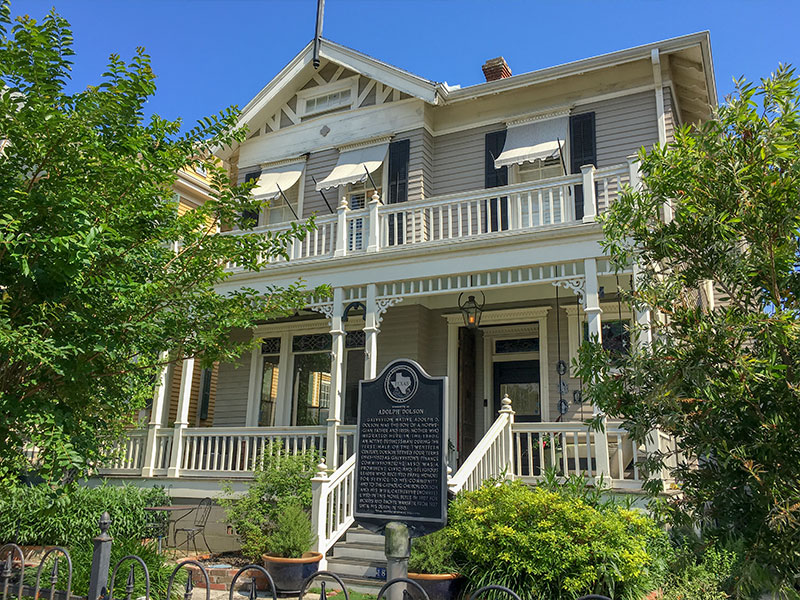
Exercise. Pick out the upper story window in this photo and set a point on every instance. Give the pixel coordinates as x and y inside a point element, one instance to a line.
<point>338,95</point>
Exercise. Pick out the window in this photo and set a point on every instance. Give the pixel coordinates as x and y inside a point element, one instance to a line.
<point>270,371</point>
<point>323,99</point>
<point>540,169</point>
<point>354,372</point>
<point>250,217</point>
<point>311,379</point>
<point>399,153</point>
<point>358,196</point>
<point>616,336</point>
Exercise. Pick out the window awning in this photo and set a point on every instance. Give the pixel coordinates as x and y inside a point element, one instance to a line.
<point>353,165</point>
<point>536,140</point>
<point>284,176</point>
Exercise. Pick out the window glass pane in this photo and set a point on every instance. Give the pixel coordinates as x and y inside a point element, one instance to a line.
<point>312,388</point>
<point>616,336</point>
<point>271,346</point>
<point>269,392</point>
<point>311,342</point>
<point>518,345</point>
<point>355,372</point>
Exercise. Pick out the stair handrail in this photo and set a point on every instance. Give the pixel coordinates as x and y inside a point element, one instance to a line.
<point>500,436</point>
<point>331,519</point>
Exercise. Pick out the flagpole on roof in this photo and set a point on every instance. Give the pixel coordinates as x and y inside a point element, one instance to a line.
<point>318,33</point>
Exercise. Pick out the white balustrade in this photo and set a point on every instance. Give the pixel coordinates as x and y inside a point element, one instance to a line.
<point>164,438</point>
<point>347,439</point>
<point>218,451</point>
<point>564,448</point>
<point>508,209</point>
<point>128,456</point>
<point>492,457</point>
<point>332,505</point>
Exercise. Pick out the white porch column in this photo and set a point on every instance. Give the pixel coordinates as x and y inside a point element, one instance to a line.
<point>337,379</point>
<point>182,419</point>
<point>371,331</point>
<point>374,224</point>
<point>594,322</point>
<point>156,418</point>
<point>589,201</point>
<point>661,118</point>
<point>341,228</point>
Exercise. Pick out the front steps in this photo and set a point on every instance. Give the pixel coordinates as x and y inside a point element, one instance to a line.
<point>359,560</point>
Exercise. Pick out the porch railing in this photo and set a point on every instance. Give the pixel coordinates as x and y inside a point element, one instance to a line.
<point>515,208</point>
<point>332,505</point>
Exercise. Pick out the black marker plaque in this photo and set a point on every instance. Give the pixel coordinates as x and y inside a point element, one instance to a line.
<point>401,470</point>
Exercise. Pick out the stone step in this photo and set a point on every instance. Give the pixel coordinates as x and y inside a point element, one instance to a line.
<point>364,585</point>
<point>348,549</point>
<point>354,567</point>
<point>359,535</point>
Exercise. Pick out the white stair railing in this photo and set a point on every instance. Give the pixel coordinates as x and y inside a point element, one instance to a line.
<point>492,457</point>
<point>332,505</point>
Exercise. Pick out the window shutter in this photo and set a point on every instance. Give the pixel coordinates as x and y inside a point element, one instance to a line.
<point>583,151</point>
<point>494,146</point>
<point>251,215</point>
<point>399,153</point>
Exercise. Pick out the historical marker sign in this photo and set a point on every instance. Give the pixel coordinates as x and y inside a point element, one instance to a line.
<point>401,469</point>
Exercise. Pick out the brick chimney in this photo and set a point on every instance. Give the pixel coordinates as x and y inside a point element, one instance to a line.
<point>496,68</point>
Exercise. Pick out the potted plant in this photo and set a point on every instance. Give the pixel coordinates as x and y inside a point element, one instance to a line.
<point>288,558</point>
<point>432,566</point>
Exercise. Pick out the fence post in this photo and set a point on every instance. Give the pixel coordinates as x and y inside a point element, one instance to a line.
<point>508,434</point>
<point>319,511</point>
<point>589,201</point>
<point>374,224</point>
<point>341,228</point>
<point>101,560</point>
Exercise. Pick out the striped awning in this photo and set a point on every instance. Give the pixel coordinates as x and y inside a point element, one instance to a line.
<point>353,165</point>
<point>275,179</point>
<point>531,141</point>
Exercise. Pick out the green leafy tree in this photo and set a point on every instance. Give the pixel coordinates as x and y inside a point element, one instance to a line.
<point>99,274</point>
<point>723,381</point>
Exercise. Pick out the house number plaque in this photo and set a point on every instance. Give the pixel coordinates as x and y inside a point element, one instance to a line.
<point>401,469</point>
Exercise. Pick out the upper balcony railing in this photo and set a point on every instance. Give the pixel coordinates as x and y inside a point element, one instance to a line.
<point>463,216</point>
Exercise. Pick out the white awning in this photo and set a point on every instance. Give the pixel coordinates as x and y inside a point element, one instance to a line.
<point>284,176</point>
<point>536,140</point>
<point>353,165</point>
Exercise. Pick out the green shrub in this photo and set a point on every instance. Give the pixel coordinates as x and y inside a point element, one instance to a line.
<point>432,554</point>
<point>281,481</point>
<point>33,515</point>
<point>291,535</point>
<point>546,544</point>
<point>701,574</point>
<point>157,566</point>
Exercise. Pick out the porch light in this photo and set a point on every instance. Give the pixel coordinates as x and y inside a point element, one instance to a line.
<point>471,310</point>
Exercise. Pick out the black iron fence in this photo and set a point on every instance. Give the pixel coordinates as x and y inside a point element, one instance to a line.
<point>15,579</point>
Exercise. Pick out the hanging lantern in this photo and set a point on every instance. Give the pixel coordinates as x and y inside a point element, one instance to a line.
<point>471,310</point>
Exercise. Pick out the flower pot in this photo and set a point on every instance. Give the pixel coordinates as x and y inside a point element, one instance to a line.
<point>443,586</point>
<point>289,573</point>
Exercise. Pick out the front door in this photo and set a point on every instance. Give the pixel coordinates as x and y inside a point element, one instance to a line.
<point>520,380</point>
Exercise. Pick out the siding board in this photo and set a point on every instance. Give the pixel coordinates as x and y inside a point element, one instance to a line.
<point>233,381</point>
<point>458,160</point>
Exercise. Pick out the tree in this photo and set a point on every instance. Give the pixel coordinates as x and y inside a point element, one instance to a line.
<point>724,381</point>
<point>99,274</point>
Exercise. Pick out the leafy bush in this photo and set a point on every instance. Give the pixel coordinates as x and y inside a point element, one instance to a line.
<point>704,574</point>
<point>32,515</point>
<point>432,554</point>
<point>280,482</point>
<point>291,535</point>
<point>157,566</point>
<point>549,544</point>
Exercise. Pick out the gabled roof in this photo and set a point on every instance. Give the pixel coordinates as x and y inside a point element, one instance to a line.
<point>353,60</point>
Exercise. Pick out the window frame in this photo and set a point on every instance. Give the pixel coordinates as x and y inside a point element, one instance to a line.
<point>303,97</point>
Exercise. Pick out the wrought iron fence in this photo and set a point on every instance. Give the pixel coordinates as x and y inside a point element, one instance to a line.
<point>15,583</point>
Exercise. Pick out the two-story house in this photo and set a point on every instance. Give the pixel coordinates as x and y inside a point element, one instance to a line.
<point>456,227</point>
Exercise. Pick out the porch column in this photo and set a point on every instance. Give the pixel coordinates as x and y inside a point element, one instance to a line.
<point>182,418</point>
<point>589,200</point>
<point>156,418</point>
<point>337,380</point>
<point>594,323</point>
<point>341,228</point>
<point>374,224</point>
<point>371,332</point>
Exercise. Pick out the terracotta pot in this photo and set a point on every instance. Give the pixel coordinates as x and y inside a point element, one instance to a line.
<point>442,586</point>
<point>289,573</point>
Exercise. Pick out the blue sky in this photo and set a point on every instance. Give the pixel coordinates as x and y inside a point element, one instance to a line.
<point>209,54</point>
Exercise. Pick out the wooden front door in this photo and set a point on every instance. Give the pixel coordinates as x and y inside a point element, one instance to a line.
<point>466,392</point>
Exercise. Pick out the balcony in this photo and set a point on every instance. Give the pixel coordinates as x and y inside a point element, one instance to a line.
<point>515,209</point>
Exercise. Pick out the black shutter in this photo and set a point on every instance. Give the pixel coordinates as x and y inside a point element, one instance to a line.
<point>494,146</point>
<point>583,151</point>
<point>399,152</point>
<point>205,393</point>
<point>251,216</point>
<point>496,211</point>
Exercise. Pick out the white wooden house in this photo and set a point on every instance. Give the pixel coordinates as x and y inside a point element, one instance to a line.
<point>432,194</point>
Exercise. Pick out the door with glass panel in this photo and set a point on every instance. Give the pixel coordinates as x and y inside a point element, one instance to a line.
<point>311,379</point>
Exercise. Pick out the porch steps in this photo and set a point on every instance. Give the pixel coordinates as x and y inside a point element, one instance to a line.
<point>359,560</point>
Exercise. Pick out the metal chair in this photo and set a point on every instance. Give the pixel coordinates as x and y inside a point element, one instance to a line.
<point>201,515</point>
<point>158,529</point>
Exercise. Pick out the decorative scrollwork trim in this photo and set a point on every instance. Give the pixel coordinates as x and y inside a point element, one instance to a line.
<point>325,309</point>
<point>384,304</point>
<point>576,285</point>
